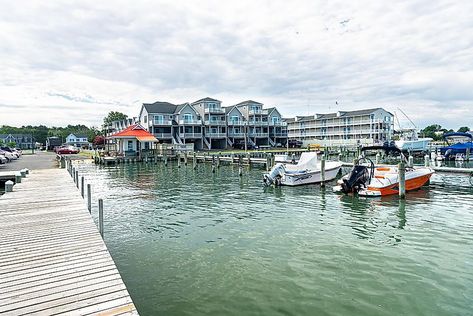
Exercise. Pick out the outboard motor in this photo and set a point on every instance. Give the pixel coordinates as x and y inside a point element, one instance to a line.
<point>358,178</point>
<point>274,176</point>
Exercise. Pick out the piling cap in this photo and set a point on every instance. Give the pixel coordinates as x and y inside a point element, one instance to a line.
<point>9,182</point>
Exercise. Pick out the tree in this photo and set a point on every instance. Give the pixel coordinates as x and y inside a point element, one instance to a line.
<point>114,116</point>
<point>432,131</point>
<point>463,129</point>
<point>99,140</point>
<point>11,144</point>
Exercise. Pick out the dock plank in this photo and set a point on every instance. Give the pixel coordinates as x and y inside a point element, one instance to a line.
<point>52,258</point>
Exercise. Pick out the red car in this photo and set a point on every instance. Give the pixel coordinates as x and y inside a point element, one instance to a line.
<point>67,150</point>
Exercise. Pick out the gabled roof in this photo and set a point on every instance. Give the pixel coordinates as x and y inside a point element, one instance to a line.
<point>160,107</point>
<point>78,135</point>
<point>228,109</point>
<point>181,106</point>
<point>206,99</point>
<point>248,102</point>
<point>348,113</point>
<point>136,131</point>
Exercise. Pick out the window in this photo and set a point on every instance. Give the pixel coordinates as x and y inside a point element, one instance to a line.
<point>234,118</point>
<point>188,118</point>
<point>275,119</point>
<point>145,119</point>
<point>130,145</point>
<point>158,119</point>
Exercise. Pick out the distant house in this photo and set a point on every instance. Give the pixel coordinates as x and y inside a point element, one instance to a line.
<point>23,141</point>
<point>52,142</point>
<point>78,140</point>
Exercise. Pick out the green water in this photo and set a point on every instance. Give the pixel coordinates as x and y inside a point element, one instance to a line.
<point>189,242</point>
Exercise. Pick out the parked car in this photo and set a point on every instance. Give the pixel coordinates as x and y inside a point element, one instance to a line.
<point>294,143</point>
<point>3,159</point>
<point>67,150</point>
<point>5,151</point>
<point>241,145</point>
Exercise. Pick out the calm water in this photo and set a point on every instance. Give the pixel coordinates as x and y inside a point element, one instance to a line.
<point>189,242</point>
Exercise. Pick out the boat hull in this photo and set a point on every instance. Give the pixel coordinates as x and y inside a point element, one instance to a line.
<point>421,144</point>
<point>309,177</point>
<point>411,184</point>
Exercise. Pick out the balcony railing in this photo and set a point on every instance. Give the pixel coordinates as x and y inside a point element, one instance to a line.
<point>271,123</point>
<point>258,134</point>
<point>190,135</point>
<point>215,123</point>
<point>236,123</point>
<point>190,122</point>
<point>161,122</point>
<point>214,110</point>
<point>258,123</point>
<point>162,135</point>
<point>258,111</point>
<point>215,135</point>
<point>278,134</point>
<point>236,134</point>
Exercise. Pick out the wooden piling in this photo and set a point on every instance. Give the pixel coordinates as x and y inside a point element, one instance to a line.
<point>77,178</point>
<point>18,177</point>
<point>89,198</point>
<point>9,186</point>
<point>82,186</point>
<point>402,180</point>
<point>410,161</point>
<point>101,217</point>
<point>322,171</point>
<point>426,161</point>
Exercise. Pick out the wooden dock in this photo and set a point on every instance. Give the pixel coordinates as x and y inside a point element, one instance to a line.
<point>52,257</point>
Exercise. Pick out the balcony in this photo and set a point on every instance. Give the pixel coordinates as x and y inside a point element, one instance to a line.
<point>271,123</point>
<point>215,135</point>
<point>236,123</point>
<point>258,134</point>
<point>214,110</point>
<point>282,134</point>
<point>258,123</point>
<point>256,111</point>
<point>190,122</point>
<point>190,135</point>
<point>161,122</point>
<point>215,123</point>
<point>162,135</point>
<point>236,134</point>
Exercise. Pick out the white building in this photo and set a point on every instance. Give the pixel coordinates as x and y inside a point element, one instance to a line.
<point>343,127</point>
<point>80,141</point>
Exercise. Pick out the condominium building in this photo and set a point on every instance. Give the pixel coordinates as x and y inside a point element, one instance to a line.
<point>343,127</point>
<point>208,125</point>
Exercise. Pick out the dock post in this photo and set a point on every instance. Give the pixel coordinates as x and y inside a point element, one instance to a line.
<point>101,217</point>
<point>402,180</point>
<point>410,161</point>
<point>185,159</point>
<point>322,172</point>
<point>249,159</point>
<point>240,169</point>
<point>378,156</point>
<point>82,186</point>
<point>268,162</point>
<point>179,160</point>
<point>77,178</point>
<point>194,161</point>
<point>232,157</point>
<point>73,175</point>
<point>23,173</point>
<point>213,164</point>
<point>9,186</point>
<point>467,153</point>
<point>426,161</point>
<point>89,198</point>
<point>17,177</point>
<point>63,162</point>
<point>218,160</point>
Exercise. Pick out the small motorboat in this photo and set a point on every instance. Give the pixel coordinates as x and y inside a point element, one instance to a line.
<point>306,171</point>
<point>366,179</point>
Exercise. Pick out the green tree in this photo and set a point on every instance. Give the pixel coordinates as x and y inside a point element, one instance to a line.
<point>463,129</point>
<point>114,116</point>
<point>432,131</point>
<point>11,144</point>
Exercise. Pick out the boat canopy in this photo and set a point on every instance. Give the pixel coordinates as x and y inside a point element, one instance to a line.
<point>307,161</point>
<point>458,135</point>
<point>389,149</point>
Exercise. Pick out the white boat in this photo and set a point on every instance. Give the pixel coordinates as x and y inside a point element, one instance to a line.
<point>306,171</point>
<point>410,141</point>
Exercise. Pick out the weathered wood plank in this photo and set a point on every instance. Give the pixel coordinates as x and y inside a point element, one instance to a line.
<point>52,258</point>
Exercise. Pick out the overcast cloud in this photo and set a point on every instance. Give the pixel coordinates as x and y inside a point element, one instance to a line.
<point>70,63</point>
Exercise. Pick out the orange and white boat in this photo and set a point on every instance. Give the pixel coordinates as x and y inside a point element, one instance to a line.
<point>368,180</point>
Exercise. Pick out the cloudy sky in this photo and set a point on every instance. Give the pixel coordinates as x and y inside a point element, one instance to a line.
<point>68,63</point>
